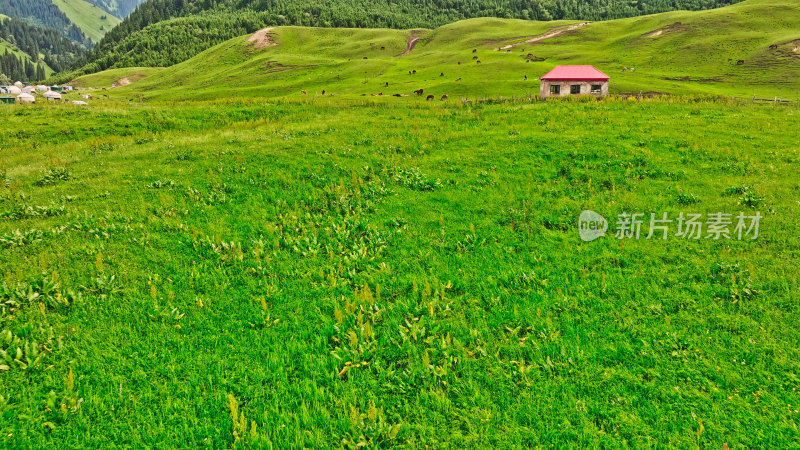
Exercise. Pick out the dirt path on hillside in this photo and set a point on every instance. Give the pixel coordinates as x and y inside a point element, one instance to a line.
<point>412,42</point>
<point>550,35</point>
<point>261,38</point>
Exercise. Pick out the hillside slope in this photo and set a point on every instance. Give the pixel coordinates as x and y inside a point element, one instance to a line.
<point>741,50</point>
<point>214,21</point>
<point>45,14</point>
<point>118,8</point>
<point>93,21</point>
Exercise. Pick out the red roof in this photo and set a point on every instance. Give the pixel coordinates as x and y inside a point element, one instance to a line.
<point>579,73</point>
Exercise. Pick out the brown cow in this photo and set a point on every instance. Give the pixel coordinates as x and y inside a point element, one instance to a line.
<point>419,91</point>
<point>430,97</point>
<point>323,92</point>
<point>459,79</point>
<point>444,97</point>
<point>304,92</point>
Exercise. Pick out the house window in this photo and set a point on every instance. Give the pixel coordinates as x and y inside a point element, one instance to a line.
<point>555,89</point>
<point>596,89</point>
<point>575,89</point>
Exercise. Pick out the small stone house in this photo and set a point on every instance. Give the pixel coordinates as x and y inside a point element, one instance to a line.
<point>573,80</point>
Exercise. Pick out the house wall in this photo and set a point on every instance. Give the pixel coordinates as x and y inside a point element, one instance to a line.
<point>586,87</point>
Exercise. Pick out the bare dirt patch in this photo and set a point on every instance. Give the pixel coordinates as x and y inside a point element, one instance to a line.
<point>412,42</point>
<point>550,35</point>
<point>132,78</point>
<point>677,26</point>
<point>262,38</point>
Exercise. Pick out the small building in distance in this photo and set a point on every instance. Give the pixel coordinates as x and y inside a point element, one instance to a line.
<point>573,80</point>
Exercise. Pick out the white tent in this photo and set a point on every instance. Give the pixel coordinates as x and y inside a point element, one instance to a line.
<point>28,90</point>
<point>52,95</point>
<point>26,98</point>
<point>14,90</point>
<point>18,84</point>
<point>79,102</point>
<point>42,88</point>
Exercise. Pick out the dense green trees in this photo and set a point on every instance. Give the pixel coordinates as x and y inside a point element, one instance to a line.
<point>43,13</point>
<point>42,45</point>
<point>18,69</point>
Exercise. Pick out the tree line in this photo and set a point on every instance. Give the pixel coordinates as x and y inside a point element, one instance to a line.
<point>14,68</point>
<point>59,52</point>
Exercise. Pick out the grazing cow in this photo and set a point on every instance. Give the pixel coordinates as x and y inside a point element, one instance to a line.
<point>740,62</point>
<point>380,94</point>
<point>474,58</point>
<point>459,63</point>
<point>387,84</point>
<point>444,97</point>
<point>474,50</point>
<point>458,79</point>
<point>304,92</point>
<point>323,92</point>
<point>383,48</point>
<point>430,97</point>
<point>419,91</point>
<point>414,71</point>
<point>478,61</point>
<point>395,95</point>
<point>526,78</point>
<point>441,74</point>
<point>366,57</point>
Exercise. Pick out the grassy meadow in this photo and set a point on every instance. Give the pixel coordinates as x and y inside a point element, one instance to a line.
<point>257,274</point>
<point>750,49</point>
<point>92,20</point>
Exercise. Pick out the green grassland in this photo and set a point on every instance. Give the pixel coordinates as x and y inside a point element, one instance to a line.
<point>745,50</point>
<point>93,21</point>
<point>317,274</point>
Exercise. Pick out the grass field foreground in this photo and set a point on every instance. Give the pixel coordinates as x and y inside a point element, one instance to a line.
<point>267,273</point>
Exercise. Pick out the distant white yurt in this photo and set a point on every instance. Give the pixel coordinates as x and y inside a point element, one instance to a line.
<point>79,102</point>
<point>26,98</point>
<point>14,90</point>
<point>28,90</point>
<point>18,84</point>
<point>52,95</point>
<point>42,88</point>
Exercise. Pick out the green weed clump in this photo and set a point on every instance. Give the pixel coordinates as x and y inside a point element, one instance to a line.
<point>53,175</point>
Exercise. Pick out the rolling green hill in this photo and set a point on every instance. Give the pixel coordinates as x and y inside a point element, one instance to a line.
<point>93,21</point>
<point>210,22</point>
<point>742,50</point>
